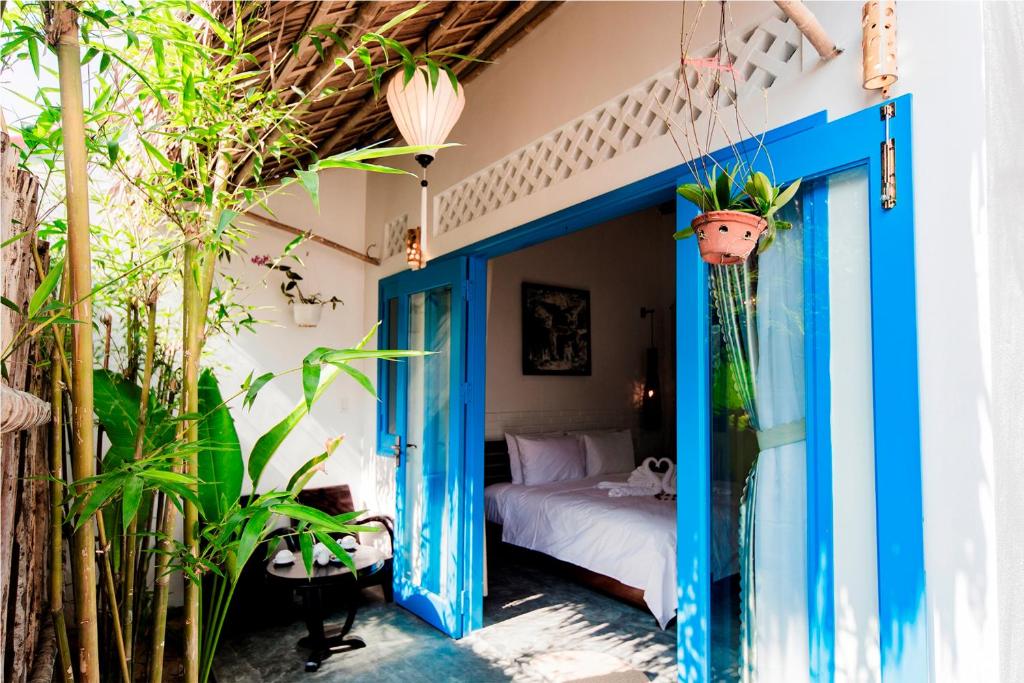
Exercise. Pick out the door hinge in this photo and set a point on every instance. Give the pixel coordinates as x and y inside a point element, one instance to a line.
<point>886,112</point>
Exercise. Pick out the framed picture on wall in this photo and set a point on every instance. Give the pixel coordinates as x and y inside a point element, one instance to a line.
<point>556,330</point>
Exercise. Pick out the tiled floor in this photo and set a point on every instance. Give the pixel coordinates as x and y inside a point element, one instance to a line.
<point>537,627</point>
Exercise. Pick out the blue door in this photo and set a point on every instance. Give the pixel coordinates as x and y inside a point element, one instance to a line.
<point>856,175</point>
<point>422,425</point>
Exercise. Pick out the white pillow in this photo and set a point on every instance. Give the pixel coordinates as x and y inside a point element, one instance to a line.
<point>609,452</point>
<point>513,452</point>
<point>550,459</point>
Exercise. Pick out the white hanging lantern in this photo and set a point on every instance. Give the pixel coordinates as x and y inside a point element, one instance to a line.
<point>425,115</point>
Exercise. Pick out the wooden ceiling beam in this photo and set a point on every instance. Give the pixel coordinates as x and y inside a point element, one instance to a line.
<point>288,64</point>
<point>451,17</point>
<point>314,82</point>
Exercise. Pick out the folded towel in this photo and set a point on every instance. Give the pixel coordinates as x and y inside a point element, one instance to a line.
<point>645,474</point>
<point>623,491</point>
<point>668,482</point>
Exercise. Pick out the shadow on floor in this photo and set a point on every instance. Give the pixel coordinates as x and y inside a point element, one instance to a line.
<point>537,627</point>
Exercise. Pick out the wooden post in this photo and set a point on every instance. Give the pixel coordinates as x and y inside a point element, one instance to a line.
<point>24,491</point>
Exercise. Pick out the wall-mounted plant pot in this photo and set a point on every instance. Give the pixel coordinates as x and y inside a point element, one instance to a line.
<point>727,237</point>
<point>307,315</point>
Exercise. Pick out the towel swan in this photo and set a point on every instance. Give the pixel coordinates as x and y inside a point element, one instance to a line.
<point>645,480</point>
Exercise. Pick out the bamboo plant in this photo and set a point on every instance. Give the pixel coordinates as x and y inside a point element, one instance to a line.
<point>178,116</point>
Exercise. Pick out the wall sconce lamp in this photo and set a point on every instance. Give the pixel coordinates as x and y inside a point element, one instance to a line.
<point>650,406</point>
<point>878,23</point>
<point>413,248</point>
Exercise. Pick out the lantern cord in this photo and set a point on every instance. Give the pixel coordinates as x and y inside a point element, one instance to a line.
<point>424,228</point>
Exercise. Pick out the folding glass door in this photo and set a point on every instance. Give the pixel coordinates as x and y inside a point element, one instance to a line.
<point>422,427</point>
<point>802,503</point>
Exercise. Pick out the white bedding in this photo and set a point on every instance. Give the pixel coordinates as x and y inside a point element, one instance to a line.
<point>630,539</point>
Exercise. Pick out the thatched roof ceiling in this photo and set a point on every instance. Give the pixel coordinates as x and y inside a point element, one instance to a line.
<point>352,116</point>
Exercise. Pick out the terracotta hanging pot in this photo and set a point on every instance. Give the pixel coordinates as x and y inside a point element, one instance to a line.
<point>727,237</point>
<point>307,315</point>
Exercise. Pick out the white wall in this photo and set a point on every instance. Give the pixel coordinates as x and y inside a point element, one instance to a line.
<point>587,52</point>
<point>1004,148</point>
<point>624,264</point>
<point>278,344</point>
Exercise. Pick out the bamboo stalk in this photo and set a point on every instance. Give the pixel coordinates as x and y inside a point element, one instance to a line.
<point>161,586</point>
<point>128,601</point>
<point>108,581</point>
<point>62,33</point>
<point>56,583</point>
<point>195,313</point>
<point>810,27</point>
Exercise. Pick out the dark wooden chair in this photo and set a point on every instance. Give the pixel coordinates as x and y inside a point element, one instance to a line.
<point>337,500</point>
<point>257,602</point>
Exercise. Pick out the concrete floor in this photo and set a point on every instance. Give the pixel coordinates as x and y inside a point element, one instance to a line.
<point>537,627</point>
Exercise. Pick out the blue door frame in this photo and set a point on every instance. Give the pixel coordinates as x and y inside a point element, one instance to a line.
<point>808,148</point>
<point>443,609</point>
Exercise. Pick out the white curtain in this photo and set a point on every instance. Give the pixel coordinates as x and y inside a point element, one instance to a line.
<point>775,633</point>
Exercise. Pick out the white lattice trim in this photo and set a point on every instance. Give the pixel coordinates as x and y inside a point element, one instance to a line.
<point>761,56</point>
<point>394,235</point>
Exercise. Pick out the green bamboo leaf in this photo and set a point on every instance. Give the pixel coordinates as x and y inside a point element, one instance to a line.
<point>10,304</point>
<point>254,388</point>
<point>132,496</point>
<point>33,54</point>
<point>314,517</point>
<point>220,461</point>
<point>337,550</point>
<point>45,288</point>
<point>302,475</point>
<point>251,536</point>
<point>99,495</point>
<point>310,180</point>
<point>402,16</point>
<point>306,549</point>
<point>266,446</point>
<point>346,355</point>
<point>227,216</point>
<point>359,377</point>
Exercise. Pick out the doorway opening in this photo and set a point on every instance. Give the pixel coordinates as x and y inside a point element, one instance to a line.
<point>580,406</point>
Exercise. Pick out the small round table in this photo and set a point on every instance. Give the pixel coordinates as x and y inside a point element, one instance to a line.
<point>323,641</point>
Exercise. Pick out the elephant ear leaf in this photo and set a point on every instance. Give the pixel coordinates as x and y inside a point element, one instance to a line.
<point>117,409</point>
<point>220,458</point>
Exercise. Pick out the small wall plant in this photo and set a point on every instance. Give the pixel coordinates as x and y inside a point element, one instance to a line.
<point>290,287</point>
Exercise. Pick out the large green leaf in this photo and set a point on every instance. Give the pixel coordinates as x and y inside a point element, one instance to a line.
<point>268,444</point>
<point>220,460</point>
<point>117,408</point>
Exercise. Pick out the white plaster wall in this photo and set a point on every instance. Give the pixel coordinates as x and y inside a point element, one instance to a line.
<point>278,344</point>
<point>586,53</point>
<point>1004,62</point>
<point>624,264</point>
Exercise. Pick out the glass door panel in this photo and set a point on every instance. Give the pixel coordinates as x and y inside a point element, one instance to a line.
<point>791,448</point>
<point>426,465</point>
<point>426,311</point>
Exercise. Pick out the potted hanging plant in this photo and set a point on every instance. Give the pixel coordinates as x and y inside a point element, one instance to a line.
<point>735,215</point>
<point>306,308</point>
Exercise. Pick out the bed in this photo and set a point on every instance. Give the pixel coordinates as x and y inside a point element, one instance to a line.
<point>631,540</point>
